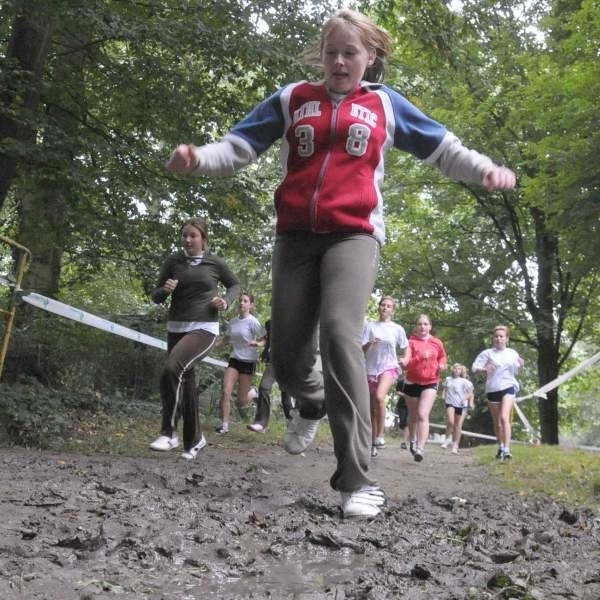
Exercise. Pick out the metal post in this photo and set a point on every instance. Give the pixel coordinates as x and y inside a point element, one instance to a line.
<point>23,261</point>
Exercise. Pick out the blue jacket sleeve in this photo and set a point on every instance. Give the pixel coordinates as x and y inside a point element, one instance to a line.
<point>263,126</point>
<point>414,131</point>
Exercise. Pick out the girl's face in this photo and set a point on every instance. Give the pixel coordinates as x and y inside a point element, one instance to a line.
<point>345,59</point>
<point>192,240</point>
<point>245,304</point>
<point>386,309</point>
<point>500,339</point>
<point>423,326</point>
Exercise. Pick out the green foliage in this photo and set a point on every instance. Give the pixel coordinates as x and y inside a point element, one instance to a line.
<point>580,410</point>
<point>520,94</point>
<point>36,416</point>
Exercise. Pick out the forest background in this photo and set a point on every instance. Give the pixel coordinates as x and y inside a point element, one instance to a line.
<point>94,94</point>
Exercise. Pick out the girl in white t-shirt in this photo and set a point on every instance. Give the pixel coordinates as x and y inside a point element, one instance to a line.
<point>458,397</point>
<point>501,366</point>
<point>245,334</point>
<point>381,339</point>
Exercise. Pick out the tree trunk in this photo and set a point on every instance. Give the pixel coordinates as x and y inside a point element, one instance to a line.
<point>42,214</point>
<point>45,206</point>
<point>548,409</point>
<point>20,84</point>
<point>545,323</point>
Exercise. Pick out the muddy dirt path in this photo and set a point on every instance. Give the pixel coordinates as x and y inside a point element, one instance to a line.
<point>253,522</point>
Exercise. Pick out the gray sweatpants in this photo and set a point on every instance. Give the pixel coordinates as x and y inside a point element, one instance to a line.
<point>323,282</point>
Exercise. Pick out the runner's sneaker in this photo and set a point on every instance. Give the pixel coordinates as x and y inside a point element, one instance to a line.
<point>412,448</point>
<point>418,455</point>
<point>444,444</point>
<point>373,451</point>
<point>221,430</point>
<point>499,453</point>
<point>379,442</point>
<point>506,455</point>
<point>403,445</point>
<point>193,452</point>
<point>256,427</point>
<point>454,449</point>
<point>365,502</point>
<point>164,443</point>
<point>300,433</point>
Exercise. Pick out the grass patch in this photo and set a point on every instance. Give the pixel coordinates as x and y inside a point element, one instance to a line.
<point>567,475</point>
<point>129,435</point>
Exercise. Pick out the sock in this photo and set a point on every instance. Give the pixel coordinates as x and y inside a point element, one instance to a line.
<point>225,425</point>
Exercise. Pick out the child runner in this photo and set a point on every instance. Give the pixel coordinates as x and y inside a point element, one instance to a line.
<point>402,412</point>
<point>380,340</point>
<point>330,225</point>
<point>191,277</point>
<point>244,333</point>
<point>427,360</point>
<point>263,400</point>
<point>458,397</point>
<point>501,366</point>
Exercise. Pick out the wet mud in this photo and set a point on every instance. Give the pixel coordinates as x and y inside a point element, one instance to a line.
<point>254,522</point>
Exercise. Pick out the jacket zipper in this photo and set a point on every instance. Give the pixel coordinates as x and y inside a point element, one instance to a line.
<point>315,198</point>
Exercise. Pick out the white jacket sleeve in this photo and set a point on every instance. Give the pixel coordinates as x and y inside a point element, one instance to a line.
<point>223,158</point>
<point>458,162</point>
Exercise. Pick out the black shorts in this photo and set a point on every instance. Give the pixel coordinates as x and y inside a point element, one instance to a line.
<point>241,366</point>
<point>458,410</point>
<point>413,390</point>
<point>496,397</point>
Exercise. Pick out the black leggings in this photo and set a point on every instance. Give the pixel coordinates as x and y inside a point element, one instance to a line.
<point>178,383</point>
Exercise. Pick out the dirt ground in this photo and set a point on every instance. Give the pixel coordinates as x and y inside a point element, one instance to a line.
<point>254,522</point>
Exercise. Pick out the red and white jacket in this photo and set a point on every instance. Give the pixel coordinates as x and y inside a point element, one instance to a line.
<point>332,153</point>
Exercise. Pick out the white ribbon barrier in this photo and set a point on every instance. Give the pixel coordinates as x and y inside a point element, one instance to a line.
<point>528,426</point>
<point>483,436</point>
<point>547,387</point>
<point>76,314</point>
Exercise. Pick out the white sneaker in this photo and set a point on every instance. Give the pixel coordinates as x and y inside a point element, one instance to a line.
<point>445,443</point>
<point>365,502</point>
<point>379,442</point>
<point>374,451</point>
<point>454,449</point>
<point>257,427</point>
<point>300,433</point>
<point>193,452</point>
<point>418,455</point>
<point>164,443</point>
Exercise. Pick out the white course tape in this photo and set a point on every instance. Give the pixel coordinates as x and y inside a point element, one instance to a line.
<point>582,366</point>
<point>76,314</point>
<point>482,436</point>
<point>528,426</point>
